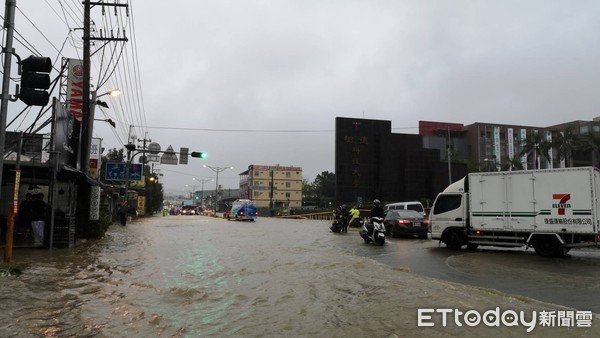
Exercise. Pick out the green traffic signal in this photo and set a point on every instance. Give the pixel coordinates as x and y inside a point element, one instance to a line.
<point>199,154</point>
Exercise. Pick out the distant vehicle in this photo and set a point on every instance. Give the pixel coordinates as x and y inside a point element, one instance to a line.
<point>242,210</point>
<point>188,210</point>
<point>413,205</point>
<point>405,222</point>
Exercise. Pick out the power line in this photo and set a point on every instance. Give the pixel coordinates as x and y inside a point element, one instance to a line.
<point>260,130</point>
<point>244,130</point>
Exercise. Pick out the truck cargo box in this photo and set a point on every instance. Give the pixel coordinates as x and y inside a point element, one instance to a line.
<point>559,200</point>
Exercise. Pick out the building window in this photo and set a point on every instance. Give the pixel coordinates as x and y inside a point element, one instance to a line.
<point>287,194</point>
<point>288,174</point>
<point>584,129</point>
<point>596,129</point>
<point>288,184</point>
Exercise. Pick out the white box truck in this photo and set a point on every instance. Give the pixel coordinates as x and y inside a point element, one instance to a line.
<point>552,210</point>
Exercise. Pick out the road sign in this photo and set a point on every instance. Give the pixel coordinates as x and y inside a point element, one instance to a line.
<point>183,155</point>
<point>116,172</point>
<point>154,148</point>
<point>169,156</point>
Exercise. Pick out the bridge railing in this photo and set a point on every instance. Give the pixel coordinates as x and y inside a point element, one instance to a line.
<point>319,216</point>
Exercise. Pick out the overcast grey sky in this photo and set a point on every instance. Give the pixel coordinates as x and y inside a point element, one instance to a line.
<point>277,65</point>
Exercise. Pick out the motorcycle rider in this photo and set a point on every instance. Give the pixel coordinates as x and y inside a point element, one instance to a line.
<point>354,215</point>
<point>342,212</point>
<point>376,211</point>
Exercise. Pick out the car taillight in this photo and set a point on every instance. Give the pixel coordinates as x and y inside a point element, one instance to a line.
<point>241,213</point>
<point>425,223</point>
<point>403,221</point>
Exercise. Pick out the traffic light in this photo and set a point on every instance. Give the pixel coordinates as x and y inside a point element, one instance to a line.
<point>199,154</point>
<point>35,80</point>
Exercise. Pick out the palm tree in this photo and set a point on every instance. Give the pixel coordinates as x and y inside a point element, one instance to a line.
<point>536,144</point>
<point>566,143</point>
<point>515,163</point>
<point>592,145</point>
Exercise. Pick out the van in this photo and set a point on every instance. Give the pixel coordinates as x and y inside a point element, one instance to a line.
<point>414,205</point>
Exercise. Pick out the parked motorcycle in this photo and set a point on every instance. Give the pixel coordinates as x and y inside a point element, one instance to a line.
<point>373,231</point>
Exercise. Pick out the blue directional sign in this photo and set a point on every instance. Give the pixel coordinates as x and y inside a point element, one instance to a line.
<point>116,172</point>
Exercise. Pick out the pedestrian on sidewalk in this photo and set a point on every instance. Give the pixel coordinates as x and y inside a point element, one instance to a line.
<point>39,212</point>
<point>122,212</point>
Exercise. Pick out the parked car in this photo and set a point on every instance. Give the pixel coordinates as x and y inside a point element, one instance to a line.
<point>405,222</point>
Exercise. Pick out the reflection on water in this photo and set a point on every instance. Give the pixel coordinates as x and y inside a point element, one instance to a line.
<point>198,277</point>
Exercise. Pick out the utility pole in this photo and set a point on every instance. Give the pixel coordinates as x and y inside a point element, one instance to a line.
<point>85,116</point>
<point>84,191</point>
<point>9,25</point>
<point>86,120</point>
<point>143,142</point>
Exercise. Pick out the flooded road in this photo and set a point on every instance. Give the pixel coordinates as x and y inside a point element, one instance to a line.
<point>181,276</point>
<point>566,281</point>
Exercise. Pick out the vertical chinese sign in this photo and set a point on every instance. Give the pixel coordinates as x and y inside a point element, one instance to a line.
<point>357,142</point>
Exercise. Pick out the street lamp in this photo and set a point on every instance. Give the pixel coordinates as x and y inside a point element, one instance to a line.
<point>202,193</point>
<point>112,92</point>
<point>193,191</point>
<point>217,170</point>
<point>85,132</point>
<point>109,121</point>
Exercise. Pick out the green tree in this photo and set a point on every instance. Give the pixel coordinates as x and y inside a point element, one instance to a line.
<point>325,184</point>
<point>514,163</point>
<point>153,192</point>
<point>536,144</point>
<point>566,143</point>
<point>591,144</point>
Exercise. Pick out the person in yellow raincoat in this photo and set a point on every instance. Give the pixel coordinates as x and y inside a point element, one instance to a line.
<point>354,215</point>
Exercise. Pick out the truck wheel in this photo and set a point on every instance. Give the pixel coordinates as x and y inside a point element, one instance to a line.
<point>548,246</point>
<point>453,240</point>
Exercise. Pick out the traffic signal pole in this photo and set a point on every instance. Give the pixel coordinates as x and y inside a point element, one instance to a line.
<point>9,25</point>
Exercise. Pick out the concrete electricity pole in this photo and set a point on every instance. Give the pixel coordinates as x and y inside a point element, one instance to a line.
<point>9,25</point>
<point>84,191</point>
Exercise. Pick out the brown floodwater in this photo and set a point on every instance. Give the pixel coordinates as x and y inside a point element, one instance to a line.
<point>190,276</point>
